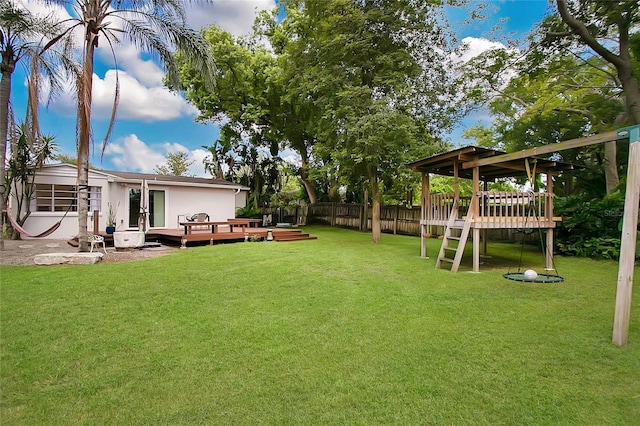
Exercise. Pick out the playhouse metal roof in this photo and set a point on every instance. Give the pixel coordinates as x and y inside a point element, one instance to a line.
<point>444,164</point>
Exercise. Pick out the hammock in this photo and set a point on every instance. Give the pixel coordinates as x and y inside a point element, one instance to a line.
<point>43,234</point>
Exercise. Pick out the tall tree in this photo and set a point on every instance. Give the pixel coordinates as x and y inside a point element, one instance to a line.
<point>157,27</point>
<point>607,28</point>
<point>559,75</point>
<point>251,99</point>
<point>367,59</point>
<point>21,33</point>
<point>564,98</point>
<point>292,97</point>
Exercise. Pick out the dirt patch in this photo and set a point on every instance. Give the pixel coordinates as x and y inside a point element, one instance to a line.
<point>22,252</point>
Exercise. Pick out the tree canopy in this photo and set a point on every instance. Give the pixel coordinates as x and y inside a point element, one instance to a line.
<point>565,85</point>
<point>177,164</point>
<point>356,89</point>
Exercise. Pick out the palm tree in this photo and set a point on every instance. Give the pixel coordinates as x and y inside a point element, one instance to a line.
<point>157,27</point>
<point>21,33</point>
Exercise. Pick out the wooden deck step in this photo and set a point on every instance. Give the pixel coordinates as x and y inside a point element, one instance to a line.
<point>446,259</point>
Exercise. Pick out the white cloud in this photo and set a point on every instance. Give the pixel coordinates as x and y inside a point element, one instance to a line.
<point>134,155</point>
<point>470,47</point>
<point>137,102</point>
<point>143,96</point>
<point>147,72</point>
<point>235,16</point>
<point>197,168</point>
<point>292,157</point>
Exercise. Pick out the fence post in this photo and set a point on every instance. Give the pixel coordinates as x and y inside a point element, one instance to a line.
<point>333,214</point>
<point>395,220</point>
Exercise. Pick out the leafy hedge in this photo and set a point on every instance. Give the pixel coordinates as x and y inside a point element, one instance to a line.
<point>590,228</point>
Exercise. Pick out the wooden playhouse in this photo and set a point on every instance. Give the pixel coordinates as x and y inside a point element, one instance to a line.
<point>483,210</point>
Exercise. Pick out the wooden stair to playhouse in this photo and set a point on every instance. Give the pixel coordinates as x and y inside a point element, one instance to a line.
<point>461,228</point>
<point>291,235</point>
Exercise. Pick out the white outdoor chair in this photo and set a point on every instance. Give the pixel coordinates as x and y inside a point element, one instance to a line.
<point>96,240</point>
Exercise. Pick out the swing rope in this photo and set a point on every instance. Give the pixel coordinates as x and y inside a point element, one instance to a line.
<point>531,211</point>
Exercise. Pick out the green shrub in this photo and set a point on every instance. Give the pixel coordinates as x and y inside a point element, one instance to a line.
<point>249,212</point>
<point>590,227</point>
<point>596,248</point>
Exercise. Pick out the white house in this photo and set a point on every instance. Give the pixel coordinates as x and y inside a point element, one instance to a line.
<point>168,199</point>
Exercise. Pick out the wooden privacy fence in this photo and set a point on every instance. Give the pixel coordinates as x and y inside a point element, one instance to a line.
<point>393,219</point>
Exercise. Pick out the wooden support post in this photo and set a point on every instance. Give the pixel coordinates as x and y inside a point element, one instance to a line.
<point>456,188</point>
<point>485,232</point>
<point>96,222</point>
<point>425,207</point>
<point>548,217</point>
<point>628,244</point>
<point>476,249</point>
<point>475,210</point>
<point>549,250</point>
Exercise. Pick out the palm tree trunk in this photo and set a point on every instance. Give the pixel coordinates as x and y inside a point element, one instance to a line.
<point>84,140</point>
<point>5,95</point>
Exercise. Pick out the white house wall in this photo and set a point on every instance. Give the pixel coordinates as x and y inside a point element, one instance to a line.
<point>219,203</point>
<point>41,221</point>
<point>119,199</point>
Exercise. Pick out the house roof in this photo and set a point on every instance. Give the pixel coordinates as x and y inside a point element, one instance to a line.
<point>443,164</point>
<point>131,177</point>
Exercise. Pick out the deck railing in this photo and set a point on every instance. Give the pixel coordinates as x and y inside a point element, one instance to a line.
<point>500,207</point>
<point>440,206</point>
<point>517,205</point>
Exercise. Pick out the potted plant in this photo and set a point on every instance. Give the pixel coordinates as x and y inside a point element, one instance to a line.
<point>111,218</point>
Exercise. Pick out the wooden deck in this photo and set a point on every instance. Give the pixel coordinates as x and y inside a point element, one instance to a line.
<point>235,234</point>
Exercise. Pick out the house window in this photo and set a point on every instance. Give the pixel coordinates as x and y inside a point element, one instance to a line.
<point>95,198</point>
<point>59,198</point>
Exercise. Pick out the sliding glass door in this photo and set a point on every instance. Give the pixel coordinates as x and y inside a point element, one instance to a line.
<point>156,208</point>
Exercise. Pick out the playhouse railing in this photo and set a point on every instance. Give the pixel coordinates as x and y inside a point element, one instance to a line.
<point>504,209</point>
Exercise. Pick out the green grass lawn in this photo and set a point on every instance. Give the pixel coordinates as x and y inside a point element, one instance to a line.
<point>332,331</point>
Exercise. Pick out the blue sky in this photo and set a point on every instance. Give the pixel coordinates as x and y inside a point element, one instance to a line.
<point>153,121</point>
